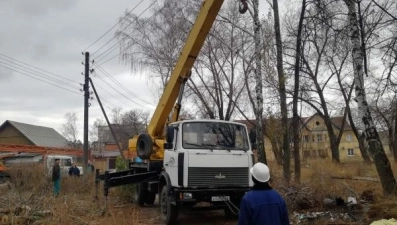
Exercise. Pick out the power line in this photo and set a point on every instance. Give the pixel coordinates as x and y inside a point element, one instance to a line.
<point>121,31</point>
<point>39,68</point>
<point>1,64</point>
<point>28,70</point>
<point>113,26</point>
<point>102,56</point>
<point>104,89</point>
<point>100,77</point>
<point>120,85</point>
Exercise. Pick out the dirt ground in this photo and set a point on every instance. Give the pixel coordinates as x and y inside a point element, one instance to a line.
<point>149,215</point>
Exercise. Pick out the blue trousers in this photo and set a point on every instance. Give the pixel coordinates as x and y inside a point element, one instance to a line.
<point>57,186</point>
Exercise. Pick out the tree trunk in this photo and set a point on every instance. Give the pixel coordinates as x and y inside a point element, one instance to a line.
<point>276,151</point>
<point>334,145</point>
<point>376,150</point>
<point>360,138</point>
<point>283,95</point>
<point>260,137</point>
<point>296,119</point>
<point>394,139</point>
<point>363,149</point>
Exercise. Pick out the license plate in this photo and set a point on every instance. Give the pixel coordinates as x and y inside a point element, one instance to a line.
<point>220,198</point>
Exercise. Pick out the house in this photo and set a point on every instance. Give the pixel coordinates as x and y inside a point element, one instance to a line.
<point>12,132</point>
<point>17,133</point>
<point>314,138</point>
<point>104,150</point>
<point>23,158</point>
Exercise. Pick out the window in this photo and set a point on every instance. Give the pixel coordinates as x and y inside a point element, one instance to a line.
<point>348,137</point>
<point>350,152</point>
<point>322,153</point>
<point>319,138</point>
<point>204,135</point>
<point>305,138</point>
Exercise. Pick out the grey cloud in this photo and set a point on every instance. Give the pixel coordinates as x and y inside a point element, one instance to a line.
<point>33,8</point>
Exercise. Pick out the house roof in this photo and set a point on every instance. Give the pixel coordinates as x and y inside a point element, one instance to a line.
<point>38,135</point>
<point>336,121</point>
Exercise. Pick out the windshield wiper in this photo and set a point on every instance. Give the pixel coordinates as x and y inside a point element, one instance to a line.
<point>235,148</point>
<point>203,146</point>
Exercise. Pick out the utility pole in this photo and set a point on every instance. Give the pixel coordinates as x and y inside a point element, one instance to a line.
<point>86,105</point>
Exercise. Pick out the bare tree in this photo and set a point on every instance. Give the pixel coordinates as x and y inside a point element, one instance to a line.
<point>70,127</point>
<point>216,81</point>
<point>375,146</point>
<point>94,129</point>
<point>295,116</point>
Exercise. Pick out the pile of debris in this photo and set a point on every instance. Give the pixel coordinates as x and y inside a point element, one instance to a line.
<point>22,215</point>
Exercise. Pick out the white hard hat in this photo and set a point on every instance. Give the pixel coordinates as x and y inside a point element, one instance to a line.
<point>260,172</point>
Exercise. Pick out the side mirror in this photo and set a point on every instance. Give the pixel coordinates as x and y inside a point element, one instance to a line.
<point>168,146</point>
<point>170,134</point>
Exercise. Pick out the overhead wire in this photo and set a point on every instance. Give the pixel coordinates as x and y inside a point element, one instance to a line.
<point>121,85</point>
<point>114,25</point>
<point>104,89</point>
<point>99,58</point>
<point>103,80</point>
<point>46,71</point>
<point>33,72</point>
<point>121,30</point>
<point>22,73</point>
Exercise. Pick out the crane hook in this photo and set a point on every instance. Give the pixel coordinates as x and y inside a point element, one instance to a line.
<point>243,6</point>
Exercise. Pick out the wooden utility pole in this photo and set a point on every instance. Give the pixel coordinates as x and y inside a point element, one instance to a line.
<point>86,105</point>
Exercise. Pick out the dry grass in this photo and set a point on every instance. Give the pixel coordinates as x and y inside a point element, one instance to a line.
<point>77,203</point>
<point>29,199</point>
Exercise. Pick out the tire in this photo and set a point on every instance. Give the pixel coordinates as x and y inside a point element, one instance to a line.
<point>144,146</point>
<point>151,197</point>
<point>141,194</point>
<point>169,212</point>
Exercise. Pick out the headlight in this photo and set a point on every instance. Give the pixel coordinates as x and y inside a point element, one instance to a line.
<point>187,196</point>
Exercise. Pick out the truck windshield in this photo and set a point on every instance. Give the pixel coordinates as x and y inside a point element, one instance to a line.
<point>214,135</point>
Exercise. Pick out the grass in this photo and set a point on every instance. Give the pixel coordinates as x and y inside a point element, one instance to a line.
<point>30,199</point>
<point>77,203</point>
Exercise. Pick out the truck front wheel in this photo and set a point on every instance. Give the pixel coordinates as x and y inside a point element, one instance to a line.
<point>141,193</point>
<point>169,212</point>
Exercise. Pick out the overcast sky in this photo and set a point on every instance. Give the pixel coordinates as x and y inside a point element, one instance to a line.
<point>50,35</point>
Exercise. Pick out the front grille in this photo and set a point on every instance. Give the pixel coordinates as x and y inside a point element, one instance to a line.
<point>217,176</point>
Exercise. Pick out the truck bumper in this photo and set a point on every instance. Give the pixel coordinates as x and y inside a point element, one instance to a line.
<point>218,195</point>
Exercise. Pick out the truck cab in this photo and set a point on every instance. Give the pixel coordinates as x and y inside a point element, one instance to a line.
<point>208,153</point>
<point>204,161</point>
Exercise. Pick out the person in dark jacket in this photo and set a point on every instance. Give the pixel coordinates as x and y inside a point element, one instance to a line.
<point>262,205</point>
<point>56,177</point>
<point>74,171</point>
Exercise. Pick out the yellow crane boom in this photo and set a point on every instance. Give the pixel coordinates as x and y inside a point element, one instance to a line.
<point>151,144</point>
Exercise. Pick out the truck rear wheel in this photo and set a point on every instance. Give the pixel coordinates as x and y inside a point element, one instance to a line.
<point>141,193</point>
<point>169,212</point>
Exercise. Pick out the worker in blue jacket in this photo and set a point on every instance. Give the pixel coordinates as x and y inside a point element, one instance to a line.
<point>262,205</point>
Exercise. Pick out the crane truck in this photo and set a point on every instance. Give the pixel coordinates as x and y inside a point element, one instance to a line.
<point>190,164</point>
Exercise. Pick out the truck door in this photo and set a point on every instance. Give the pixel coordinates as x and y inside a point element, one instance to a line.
<point>171,158</point>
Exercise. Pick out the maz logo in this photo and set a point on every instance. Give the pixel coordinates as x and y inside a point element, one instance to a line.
<point>220,176</point>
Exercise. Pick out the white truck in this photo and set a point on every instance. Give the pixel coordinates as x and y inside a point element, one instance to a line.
<point>191,161</point>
